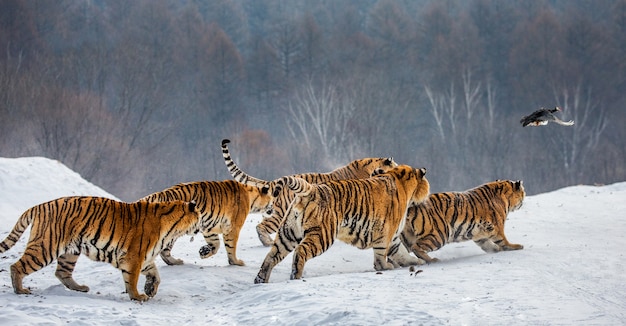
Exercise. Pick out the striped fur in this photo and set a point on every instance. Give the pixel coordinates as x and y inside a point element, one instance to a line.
<point>223,206</point>
<point>477,214</point>
<point>272,219</point>
<point>366,213</point>
<point>127,235</point>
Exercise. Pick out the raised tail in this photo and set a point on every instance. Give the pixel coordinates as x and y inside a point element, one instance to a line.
<point>22,224</point>
<point>236,172</point>
<point>298,185</point>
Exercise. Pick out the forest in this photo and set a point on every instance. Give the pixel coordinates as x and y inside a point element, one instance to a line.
<point>137,95</point>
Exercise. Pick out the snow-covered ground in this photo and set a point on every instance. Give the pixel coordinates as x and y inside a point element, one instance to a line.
<point>571,271</point>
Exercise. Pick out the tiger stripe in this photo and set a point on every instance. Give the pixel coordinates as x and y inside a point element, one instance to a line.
<point>357,169</point>
<point>126,235</point>
<point>477,214</point>
<point>224,207</point>
<point>366,213</point>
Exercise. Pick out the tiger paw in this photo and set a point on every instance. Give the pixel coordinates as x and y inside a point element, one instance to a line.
<point>151,286</point>
<point>207,251</point>
<point>236,261</point>
<point>381,266</point>
<point>81,288</point>
<point>171,260</point>
<point>140,297</point>
<point>150,291</point>
<point>22,291</point>
<point>513,246</point>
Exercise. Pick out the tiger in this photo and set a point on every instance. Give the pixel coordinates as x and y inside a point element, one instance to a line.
<point>357,169</point>
<point>477,214</point>
<point>224,206</point>
<point>126,235</point>
<point>365,213</point>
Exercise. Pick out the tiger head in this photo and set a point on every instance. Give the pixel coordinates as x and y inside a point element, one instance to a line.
<point>516,194</point>
<point>512,192</point>
<point>405,172</point>
<point>380,165</point>
<point>371,165</point>
<point>260,198</point>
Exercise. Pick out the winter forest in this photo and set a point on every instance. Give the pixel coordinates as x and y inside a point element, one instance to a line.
<point>137,95</point>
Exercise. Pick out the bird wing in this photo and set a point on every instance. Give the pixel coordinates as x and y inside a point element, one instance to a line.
<point>533,117</point>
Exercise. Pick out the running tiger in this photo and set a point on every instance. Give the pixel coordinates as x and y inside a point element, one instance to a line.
<point>224,207</point>
<point>477,214</point>
<point>366,213</point>
<point>126,235</point>
<point>272,219</point>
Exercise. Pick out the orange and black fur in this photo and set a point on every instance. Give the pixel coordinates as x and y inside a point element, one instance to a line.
<point>223,206</point>
<point>477,214</point>
<point>366,213</point>
<point>126,235</point>
<point>272,219</point>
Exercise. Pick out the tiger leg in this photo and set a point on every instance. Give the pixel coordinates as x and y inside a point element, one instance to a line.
<point>500,240</point>
<point>487,245</point>
<point>31,261</point>
<point>230,243</point>
<point>130,273</point>
<point>152,279</point>
<point>399,256</point>
<point>380,258</point>
<point>212,245</point>
<point>283,245</point>
<point>268,226</point>
<point>421,253</point>
<point>407,238</point>
<point>65,268</point>
<point>496,241</point>
<point>311,246</point>
<point>166,255</point>
<point>485,231</point>
<point>16,279</point>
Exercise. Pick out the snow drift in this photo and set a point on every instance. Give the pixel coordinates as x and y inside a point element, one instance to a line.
<point>571,271</point>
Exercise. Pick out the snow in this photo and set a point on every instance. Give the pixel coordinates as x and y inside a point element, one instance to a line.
<point>571,271</point>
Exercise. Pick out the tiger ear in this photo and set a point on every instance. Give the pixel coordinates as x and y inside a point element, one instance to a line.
<point>389,161</point>
<point>265,189</point>
<point>518,184</point>
<point>192,205</point>
<point>422,172</point>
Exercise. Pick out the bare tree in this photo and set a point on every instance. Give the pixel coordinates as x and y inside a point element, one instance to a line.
<point>491,101</point>
<point>469,138</point>
<point>12,79</point>
<point>312,55</point>
<point>287,44</point>
<point>578,142</point>
<point>443,105</point>
<point>319,119</point>
<point>470,95</point>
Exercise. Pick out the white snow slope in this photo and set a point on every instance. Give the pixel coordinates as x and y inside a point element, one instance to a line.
<point>571,271</point>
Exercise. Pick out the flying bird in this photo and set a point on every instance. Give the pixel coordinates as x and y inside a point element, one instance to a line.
<point>542,116</point>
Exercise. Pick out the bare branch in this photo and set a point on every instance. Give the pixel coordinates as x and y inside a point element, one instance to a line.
<point>436,107</point>
<point>471,94</point>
